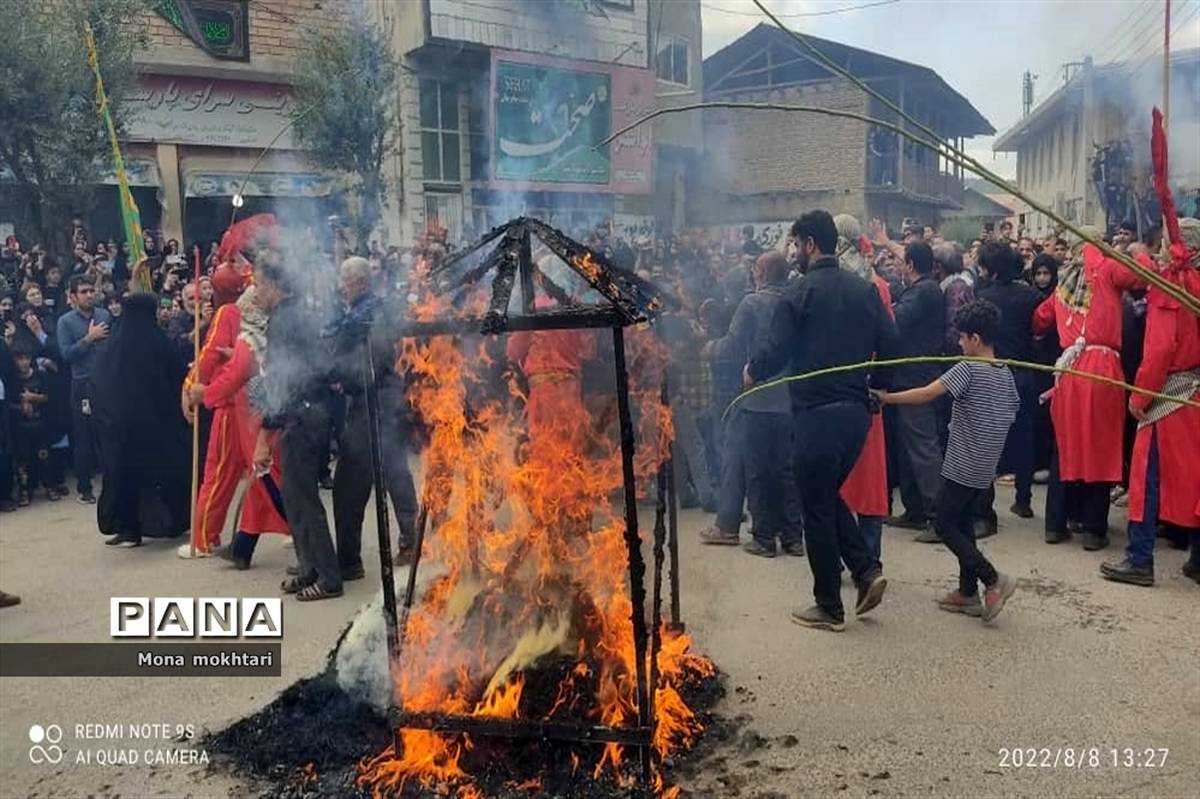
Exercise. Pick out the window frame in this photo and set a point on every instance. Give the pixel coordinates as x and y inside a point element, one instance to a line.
<point>670,41</point>
<point>440,131</point>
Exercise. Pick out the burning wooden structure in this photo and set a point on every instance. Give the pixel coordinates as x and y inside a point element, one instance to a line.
<point>602,638</point>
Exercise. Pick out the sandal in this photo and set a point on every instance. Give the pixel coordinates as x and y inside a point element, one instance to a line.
<point>314,592</point>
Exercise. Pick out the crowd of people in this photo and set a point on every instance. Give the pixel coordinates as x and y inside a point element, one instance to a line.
<point>102,379</point>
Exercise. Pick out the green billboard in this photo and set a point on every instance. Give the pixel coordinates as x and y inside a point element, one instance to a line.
<point>546,119</point>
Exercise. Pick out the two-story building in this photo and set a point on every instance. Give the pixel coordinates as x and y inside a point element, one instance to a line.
<point>503,104</point>
<point>1084,151</point>
<point>769,167</point>
<point>214,94</point>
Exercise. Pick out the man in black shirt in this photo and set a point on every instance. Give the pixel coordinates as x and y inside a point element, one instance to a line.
<point>1017,300</point>
<point>829,318</point>
<point>295,383</point>
<point>921,321</point>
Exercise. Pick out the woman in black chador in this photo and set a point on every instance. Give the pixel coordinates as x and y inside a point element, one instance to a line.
<point>144,441</point>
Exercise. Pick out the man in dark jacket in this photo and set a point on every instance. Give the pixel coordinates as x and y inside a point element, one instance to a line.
<point>762,428</point>
<point>829,318</point>
<point>1017,300</point>
<point>921,322</point>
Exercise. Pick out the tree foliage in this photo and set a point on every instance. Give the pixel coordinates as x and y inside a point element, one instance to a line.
<point>345,112</point>
<point>52,141</point>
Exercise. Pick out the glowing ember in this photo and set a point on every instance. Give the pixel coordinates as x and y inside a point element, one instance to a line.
<point>531,618</point>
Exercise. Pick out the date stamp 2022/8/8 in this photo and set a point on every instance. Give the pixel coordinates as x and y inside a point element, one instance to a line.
<point>1083,757</point>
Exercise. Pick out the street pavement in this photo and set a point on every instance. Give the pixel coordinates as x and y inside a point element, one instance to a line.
<point>910,701</point>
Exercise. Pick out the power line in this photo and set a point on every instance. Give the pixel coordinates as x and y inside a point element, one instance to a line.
<point>1116,33</point>
<point>1139,32</point>
<point>1148,35</point>
<point>843,10</point>
<point>1153,46</point>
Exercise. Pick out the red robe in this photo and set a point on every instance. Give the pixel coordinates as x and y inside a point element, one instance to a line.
<point>865,491</point>
<point>220,475</point>
<point>1088,416</point>
<point>228,391</point>
<point>1172,345</point>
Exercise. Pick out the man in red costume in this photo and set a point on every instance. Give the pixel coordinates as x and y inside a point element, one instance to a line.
<point>1088,415</point>
<point>1164,480</point>
<point>552,361</point>
<point>223,468</point>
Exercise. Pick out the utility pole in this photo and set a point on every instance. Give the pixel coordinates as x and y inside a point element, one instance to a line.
<point>1027,92</point>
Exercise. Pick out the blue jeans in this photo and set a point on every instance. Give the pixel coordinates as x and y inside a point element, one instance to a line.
<point>871,528</point>
<point>1140,549</point>
<point>731,494</point>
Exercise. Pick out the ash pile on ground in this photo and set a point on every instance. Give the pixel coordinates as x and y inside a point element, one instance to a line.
<point>307,744</point>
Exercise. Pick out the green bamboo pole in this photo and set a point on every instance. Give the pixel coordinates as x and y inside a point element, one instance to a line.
<point>946,150</point>
<point>1013,362</point>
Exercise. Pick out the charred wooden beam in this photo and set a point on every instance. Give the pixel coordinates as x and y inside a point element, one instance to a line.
<point>488,237</point>
<point>525,259</point>
<point>469,279</point>
<point>381,514</point>
<point>581,317</point>
<point>521,728</point>
<point>496,319</point>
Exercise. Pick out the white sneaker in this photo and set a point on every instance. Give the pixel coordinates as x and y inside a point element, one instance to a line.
<point>185,551</point>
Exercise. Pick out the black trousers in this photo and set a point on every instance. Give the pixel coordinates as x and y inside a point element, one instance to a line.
<point>920,459</point>
<point>302,447</point>
<point>829,439</point>
<point>955,523</point>
<point>1019,446</point>
<point>771,488</point>
<point>1076,501</point>
<point>353,481</point>
<point>85,441</point>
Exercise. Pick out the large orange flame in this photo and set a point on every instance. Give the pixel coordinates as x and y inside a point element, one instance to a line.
<point>533,564</point>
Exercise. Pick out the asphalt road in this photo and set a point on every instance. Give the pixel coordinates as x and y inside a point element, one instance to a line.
<point>910,701</point>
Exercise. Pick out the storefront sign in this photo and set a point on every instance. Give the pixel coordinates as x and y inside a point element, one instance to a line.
<point>547,115</point>
<point>259,184</point>
<point>219,113</point>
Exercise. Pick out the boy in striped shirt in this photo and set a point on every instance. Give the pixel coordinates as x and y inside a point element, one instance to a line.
<point>985,405</point>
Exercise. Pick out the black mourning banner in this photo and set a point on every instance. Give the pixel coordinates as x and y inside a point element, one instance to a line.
<point>220,27</point>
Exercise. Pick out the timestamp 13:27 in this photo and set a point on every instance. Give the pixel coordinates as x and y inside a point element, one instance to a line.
<point>1084,757</point>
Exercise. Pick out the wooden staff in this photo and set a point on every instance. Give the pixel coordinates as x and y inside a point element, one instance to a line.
<point>196,411</point>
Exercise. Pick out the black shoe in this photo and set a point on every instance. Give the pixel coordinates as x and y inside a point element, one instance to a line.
<point>124,541</point>
<point>870,594</point>
<point>86,498</point>
<point>1024,511</point>
<point>1191,570</point>
<point>818,618</point>
<point>1057,536</point>
<point>62,491</point>
<point>1123,571</point>
<point>906,522</point>
<point>762,551</point>
<point>795,549</point>
<point>986,528</point>
<point>52,495</point>
<point>1094,541</point>
<point>23,499</point>
<point>927,536</point>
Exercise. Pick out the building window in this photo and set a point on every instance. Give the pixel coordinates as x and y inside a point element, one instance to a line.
<point>439,132</point>
<point>443,213</point>
<point>673,61</point>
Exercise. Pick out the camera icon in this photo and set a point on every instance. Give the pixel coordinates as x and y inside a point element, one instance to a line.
<point>50,735</point>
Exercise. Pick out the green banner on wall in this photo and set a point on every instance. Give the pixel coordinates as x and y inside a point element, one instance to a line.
<point>546,120</point>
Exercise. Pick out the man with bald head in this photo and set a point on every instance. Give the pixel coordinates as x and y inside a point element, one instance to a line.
<point>760,427</point>
<point>362,319</point>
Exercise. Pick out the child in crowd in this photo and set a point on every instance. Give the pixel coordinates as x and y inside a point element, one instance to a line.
<point>30,448</point>
<point>985,405</point>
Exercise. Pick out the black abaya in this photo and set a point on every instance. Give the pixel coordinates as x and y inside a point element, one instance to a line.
<point>144,442</point>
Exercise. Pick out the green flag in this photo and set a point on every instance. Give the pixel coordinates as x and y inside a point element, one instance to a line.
<point>131,220</point>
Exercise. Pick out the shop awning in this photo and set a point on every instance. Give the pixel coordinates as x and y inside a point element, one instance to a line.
<point>223,176</point>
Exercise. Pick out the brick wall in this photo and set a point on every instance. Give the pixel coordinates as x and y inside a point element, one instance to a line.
<point>276,26</point>
<point>754,152</point>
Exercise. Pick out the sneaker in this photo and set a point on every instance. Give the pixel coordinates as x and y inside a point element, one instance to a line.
<point>1125,571</point>
<point>927,536</point>
<point>954,602</point>
<point>796,550</point>
<point>870,594</point>
<point>1093,542</point>
<point>185,551</point>
<point>986,528</point>
<point>1191,570</point>
<point>124,541</point>
<point>1022,510</point>
<point>23,499</point>
<point>86,498</point>
<point>997,595</point>
<point>1057,536</point>
<point>62,491</point>
<point>714,536</point>
<point>755,548</point>
<point>818,618</point>
<point>906,522</point>
<point>52,495</point>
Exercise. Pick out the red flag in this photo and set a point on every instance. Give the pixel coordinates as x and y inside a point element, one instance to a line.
<point>1158,156</point>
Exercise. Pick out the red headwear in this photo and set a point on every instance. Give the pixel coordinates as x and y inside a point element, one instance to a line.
<point>227,283</point>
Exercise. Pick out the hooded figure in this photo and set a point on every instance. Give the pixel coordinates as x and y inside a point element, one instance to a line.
<point>144,441</point>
